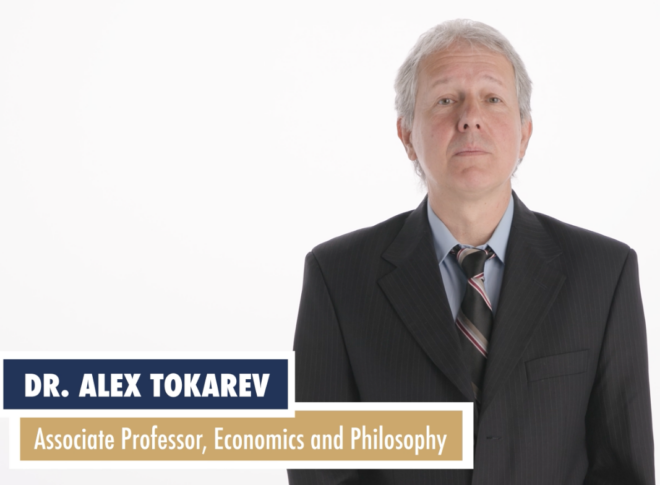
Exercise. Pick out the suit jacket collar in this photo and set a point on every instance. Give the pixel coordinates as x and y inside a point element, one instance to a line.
<point>531,282</point>
<point>415,290</point>
<point>529,287</point>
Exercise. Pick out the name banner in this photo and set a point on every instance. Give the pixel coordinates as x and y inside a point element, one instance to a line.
<point>210,410</point>
<point>145,384</point>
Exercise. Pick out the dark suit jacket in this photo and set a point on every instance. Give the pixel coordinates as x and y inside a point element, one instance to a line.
<point>566,392</point>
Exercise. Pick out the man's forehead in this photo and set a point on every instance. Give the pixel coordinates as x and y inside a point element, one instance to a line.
<point>443,66</point>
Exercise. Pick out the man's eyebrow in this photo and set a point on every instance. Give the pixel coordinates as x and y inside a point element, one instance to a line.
<point>442,80</point>
<point>493,79</point>
<point>446,80</point>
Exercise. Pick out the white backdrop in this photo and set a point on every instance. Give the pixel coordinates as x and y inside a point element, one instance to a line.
<point>165,166</point>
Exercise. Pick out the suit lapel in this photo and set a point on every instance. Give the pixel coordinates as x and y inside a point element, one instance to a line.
<point>529,287</point>
<point>415,290</point>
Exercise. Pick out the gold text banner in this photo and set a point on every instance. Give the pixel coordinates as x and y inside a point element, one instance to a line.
<point>373,436</point>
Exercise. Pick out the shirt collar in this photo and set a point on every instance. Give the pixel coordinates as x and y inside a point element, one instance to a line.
<point>444,241</point>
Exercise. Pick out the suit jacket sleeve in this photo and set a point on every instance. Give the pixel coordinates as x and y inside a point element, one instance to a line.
<point>323,370</point>
<point>618,421</point>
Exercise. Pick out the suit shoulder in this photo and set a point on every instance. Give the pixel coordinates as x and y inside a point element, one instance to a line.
<point>574,239</point>
<point>356,244</point>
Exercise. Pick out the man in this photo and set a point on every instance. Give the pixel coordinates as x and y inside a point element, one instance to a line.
<point>473,297</point>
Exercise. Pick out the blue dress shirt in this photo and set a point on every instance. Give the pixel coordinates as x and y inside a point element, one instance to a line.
<point>452,275</point>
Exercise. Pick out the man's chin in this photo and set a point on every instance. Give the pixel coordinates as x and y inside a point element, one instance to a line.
<point>476,184</point>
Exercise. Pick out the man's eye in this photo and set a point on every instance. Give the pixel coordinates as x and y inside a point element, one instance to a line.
<point>493,99</point>
<point>445,101</point>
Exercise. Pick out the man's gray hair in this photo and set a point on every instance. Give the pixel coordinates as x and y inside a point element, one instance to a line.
<point>441,37</point>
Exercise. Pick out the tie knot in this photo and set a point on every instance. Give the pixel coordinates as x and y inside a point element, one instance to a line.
<point>472,260</point>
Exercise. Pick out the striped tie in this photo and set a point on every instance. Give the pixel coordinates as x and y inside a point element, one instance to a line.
<point>475,317</point>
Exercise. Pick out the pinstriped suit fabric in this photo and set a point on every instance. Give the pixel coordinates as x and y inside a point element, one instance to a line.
<point>566,395</point>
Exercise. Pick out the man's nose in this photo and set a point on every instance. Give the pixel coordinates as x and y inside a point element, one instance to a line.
<point>470,116</point>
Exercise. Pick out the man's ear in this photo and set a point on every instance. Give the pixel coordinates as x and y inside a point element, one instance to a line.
<point>405,136</point>
<point>526,135</point>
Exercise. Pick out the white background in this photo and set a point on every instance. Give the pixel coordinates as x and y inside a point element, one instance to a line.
<point>165,166</point>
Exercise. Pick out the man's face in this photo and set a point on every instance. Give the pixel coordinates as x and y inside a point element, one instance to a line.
<point>466,133</point>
